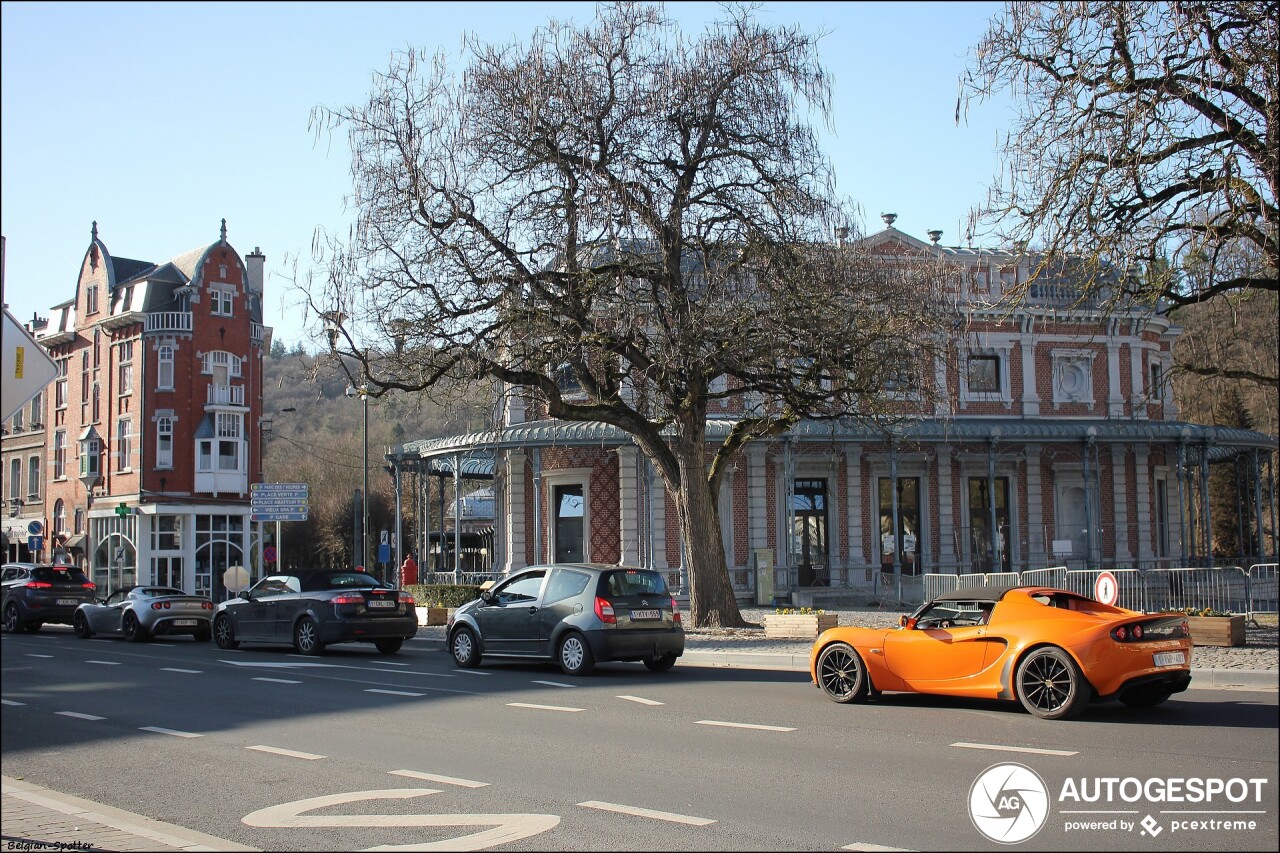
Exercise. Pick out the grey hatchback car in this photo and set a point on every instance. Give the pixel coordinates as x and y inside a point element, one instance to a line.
<point>574,614</point>
<point>34,594</point>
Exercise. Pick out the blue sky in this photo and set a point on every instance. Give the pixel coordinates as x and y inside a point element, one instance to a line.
<point>158,120</point>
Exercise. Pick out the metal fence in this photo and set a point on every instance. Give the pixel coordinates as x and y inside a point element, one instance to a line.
<point>1262,588</point>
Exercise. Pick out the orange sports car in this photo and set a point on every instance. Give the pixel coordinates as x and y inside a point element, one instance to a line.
<point>1052,650</point>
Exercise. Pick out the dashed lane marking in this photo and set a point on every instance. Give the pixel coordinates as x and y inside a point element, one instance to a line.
<point>78,715</point>
<point>443,780</point>
<point>288,753</point>
<point>641,700</point>
<point>11,702</point>
<point>176,669</point>
<point>279,680</point>
<point>672,817</point>
<point>555,683</point>
<point>162,731</point>
<point>542,707</point>
<point>758,726</point>
<point>31,655</point>
<point>1001,748</point>
<point>105,662</point>
<point>874,848</point>
<point>393,692</point>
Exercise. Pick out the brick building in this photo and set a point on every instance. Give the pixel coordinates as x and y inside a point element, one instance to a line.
<point>149,434</point>
<point>1057,443</point>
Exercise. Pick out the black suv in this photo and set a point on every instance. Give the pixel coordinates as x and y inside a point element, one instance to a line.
<point>574,614</point>
<point>34,594</point>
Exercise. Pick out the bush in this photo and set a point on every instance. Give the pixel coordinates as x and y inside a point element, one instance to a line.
<point>442,595</point>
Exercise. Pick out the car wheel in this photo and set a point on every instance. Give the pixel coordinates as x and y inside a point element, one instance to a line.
<point>306,637</point>
<point>841,673</point>
<point>12,618</point>
<point>661,663</point>
<point>203,635</point>
<point>1050,685</point>
<point>1145,698</point>
<point>575,656</point>
<point>464,645</point>
<point>80,625</point>
<point>389,647</point>
<point>224,634</point>
<point>132,629</point>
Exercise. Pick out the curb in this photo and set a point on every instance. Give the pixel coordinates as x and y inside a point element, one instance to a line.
<point>47,820</point>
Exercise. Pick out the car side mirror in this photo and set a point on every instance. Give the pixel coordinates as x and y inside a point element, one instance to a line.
<point>486,596</point>
<point>244,593</point>
<point>908,622</point>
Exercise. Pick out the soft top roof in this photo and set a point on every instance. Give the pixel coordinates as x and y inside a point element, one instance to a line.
<point>995,593</point>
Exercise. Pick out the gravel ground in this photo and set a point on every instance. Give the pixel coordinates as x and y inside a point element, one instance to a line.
<point>1260,651</point>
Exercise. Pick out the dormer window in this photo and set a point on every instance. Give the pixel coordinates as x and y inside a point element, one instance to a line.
<point>91,299</point>
<point>222,301</point>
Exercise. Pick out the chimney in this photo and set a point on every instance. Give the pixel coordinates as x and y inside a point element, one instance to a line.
<point>255,262</point>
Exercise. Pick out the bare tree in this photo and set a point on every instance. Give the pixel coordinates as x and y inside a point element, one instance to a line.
<point>623,224</point>
<point>1145,133</point>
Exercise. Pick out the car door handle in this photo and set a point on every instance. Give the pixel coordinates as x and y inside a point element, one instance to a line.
<point>533,610</point>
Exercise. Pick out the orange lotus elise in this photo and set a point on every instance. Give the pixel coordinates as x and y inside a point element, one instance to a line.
<point>1052,650</point>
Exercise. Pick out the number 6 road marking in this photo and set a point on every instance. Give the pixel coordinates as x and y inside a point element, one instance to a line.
<point>505,827</point>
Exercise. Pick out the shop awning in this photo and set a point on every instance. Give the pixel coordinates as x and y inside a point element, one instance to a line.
<point>76,541</point>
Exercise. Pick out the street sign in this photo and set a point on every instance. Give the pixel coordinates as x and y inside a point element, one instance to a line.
<point>279,501</point>
<point>122,510</point>
<point>269,554</point>
<point>35,528</point>
<point>1105,588</point>
<point>35,543</point>
<point>27,368</point>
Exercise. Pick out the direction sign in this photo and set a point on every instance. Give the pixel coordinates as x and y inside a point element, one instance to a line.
<point>27,368</point>
<point>279,501</point>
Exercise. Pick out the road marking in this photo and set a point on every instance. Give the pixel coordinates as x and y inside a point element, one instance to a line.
<point>393,692</point>
<point>78,715</point>
<point>175,669</point>
<point>173,732</point>
<point>641,700</point>
<point>278,664</point>
<point>555,684</point>
<point>998,748</point>
<point>745,726</point>
<point>542,707</point>
<point>444,780</point>
<point>392,663</point>
<point>11,702</point>
<point>639,812</point>
<point>289,753</point>
<point>874,848</point>
<point>279,680</point>
<point>30,655</point>
<point>402,672</point>
<point>105,662</point>
<point>471,672</point>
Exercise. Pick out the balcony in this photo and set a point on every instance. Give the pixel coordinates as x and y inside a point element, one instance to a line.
<point>168,322</point>
<point>225,395</point>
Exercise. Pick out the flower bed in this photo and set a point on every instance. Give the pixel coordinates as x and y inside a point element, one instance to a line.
<point>798,624</point>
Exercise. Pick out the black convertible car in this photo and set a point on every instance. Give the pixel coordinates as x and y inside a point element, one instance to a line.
<point>313,608</point>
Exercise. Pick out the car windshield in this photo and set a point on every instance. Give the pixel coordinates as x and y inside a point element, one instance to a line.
<point>339,580</point>
<point>160,590</point>
<point>59,574</point>
<point>623,582</point>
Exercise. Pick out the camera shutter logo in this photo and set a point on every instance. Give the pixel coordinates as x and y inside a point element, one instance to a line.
<point>1008,803</point>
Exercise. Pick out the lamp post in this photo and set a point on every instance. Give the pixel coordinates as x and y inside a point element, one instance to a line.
<point>363,392</point>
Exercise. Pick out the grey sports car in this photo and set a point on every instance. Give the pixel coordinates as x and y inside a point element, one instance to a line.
<point>141,612</point>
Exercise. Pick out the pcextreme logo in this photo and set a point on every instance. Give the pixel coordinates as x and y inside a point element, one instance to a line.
<point>1008,803</point>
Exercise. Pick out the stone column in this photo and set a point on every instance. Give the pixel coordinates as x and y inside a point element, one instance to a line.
<point>514,508</point>
<point>1115,401</point>
<point>946,520</point>
<point>628,507</point>
<point>1037,547</point>
<point>1143,504</point>
<point>853,512</point>
<point>1120,497</point>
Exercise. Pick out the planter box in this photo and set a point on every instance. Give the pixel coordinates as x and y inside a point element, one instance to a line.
<point>1216,630</point>
<point>804,626</point>
<point>428,616</point>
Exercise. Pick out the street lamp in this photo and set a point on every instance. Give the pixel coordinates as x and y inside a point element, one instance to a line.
<point>363,392</point>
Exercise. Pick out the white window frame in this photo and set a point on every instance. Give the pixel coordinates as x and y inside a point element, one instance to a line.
<point>60,454</point>
<point>164,441</point>
<point>15,479</point>
<point>34,479</point>
<point>125,368</point>
<point>222,301</point>
<point>164,367</point>
<point>566,477</point>
<point>124,444</point>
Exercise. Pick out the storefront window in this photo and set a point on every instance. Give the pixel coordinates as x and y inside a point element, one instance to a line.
<point>907,542</point>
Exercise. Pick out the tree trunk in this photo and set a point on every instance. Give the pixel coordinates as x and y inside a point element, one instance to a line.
<point>711,601</point>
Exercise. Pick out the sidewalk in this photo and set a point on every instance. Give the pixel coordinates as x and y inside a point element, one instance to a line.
<point>36,818</point>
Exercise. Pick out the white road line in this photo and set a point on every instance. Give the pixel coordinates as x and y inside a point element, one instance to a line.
<point>30,655</point>
<point>105,662</point>
<point>78,715</point>
<point>639,812</point>
<point>555,683</point>
<point>279,680</point>
<point>160,731</point>
<point>471,672</point>
<point>289,753</point>
<point>745,726</point>
<point>175,669</point>
<point>402,672</point>
<point>542,707</point>
<point>393,692</point>
<point>999,748</point>
<point>392,663</point>
<point>641,700</point>
<point>11,702</point>
<point>874,848</point>
<point>444,780</point>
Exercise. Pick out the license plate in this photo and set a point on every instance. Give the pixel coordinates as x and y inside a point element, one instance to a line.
<point>646,614</point>
<point>68,601</point>
<point>379,603</point>
<point>186,623</point>
<point>1169,659</point>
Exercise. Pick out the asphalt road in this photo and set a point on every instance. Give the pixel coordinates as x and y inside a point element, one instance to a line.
<point>408,750</point>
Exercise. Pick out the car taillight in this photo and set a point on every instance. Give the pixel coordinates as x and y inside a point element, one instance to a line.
<point>89,585</point>
<point>407,599</point>
<point>604,611</point>
<point>1137,632</point>
<point>1185,627</point>
<point>1120,634</point>
<point>39,585</point>
<point>348,599</point>
<point>160,605</point>
<point>206,605</point>
<point>675,610</point>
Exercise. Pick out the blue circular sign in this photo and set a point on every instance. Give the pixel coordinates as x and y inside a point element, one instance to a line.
<point>34,527</point>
